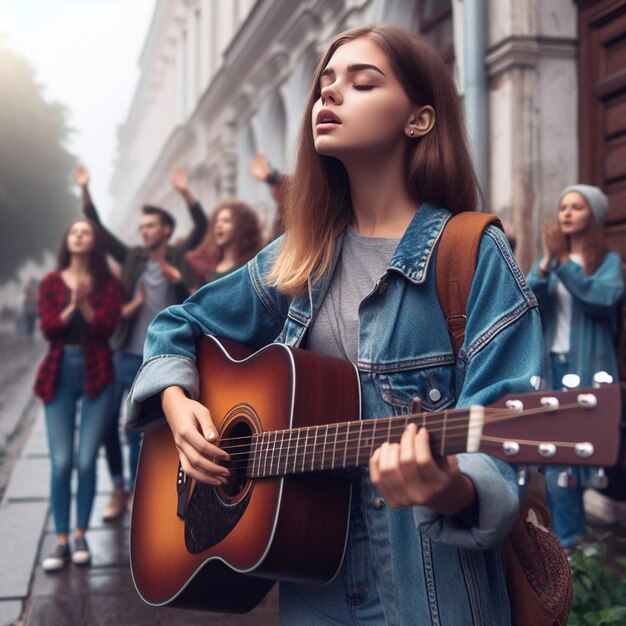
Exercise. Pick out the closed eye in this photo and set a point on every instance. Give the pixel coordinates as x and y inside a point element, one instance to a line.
<point>364,87</point>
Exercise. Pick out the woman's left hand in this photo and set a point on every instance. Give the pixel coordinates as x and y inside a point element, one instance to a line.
<point>406,474</point>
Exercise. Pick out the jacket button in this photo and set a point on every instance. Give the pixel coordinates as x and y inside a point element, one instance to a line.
<point>379,504</point>
<point>382,288</point>
<point>434,395</point>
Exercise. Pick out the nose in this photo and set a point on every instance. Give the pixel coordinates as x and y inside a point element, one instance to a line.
<point>330,93</point>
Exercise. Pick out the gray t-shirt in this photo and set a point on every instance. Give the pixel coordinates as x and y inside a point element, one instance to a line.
<point>159,294</point>
<point>363,260</point>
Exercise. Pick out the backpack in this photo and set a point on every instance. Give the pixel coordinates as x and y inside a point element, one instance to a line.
<point>539,578</point>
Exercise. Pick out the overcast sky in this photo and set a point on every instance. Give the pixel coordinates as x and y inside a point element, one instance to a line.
<point>85,54</point>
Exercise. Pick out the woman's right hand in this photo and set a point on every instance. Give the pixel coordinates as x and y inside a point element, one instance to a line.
<point>195,437</point>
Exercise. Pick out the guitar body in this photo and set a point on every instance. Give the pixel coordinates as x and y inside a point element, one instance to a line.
<point>236,541</point>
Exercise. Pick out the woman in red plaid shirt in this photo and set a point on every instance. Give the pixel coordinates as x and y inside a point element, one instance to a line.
<point>79,306</point>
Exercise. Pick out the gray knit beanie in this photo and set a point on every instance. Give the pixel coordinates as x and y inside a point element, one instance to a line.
<point>595,197</point>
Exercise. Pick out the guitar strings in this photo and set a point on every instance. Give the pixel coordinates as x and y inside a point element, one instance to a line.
<point>319,448</point>
<point>394,425</point>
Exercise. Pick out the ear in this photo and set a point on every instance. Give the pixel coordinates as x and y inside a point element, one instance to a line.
<point>421,122</point>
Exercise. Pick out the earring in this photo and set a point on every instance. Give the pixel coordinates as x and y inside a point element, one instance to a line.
<point>412,133</point>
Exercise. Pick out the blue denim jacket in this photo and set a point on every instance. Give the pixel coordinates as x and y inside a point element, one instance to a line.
<point>596,303</point>
<point>431,569</point>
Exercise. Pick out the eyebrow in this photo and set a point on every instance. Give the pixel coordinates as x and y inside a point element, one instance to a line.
<point>355,67</point>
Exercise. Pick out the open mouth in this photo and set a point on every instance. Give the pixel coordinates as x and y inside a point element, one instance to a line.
<point>326,116</point>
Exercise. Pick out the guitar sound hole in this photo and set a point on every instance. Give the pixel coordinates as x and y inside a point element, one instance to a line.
<point>236,441</point>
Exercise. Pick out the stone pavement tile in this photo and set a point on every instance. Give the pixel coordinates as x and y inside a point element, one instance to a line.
<point>55,611</point>
<point>21,525</point>
<point>10,611</point>
<point>104,609</point>
<point>30,480</point>
<point>37,445</point>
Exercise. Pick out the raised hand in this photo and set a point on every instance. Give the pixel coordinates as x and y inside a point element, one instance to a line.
<point>180,179</point>
<point>406,474</point>
<point>259,166</point>
<point>81,291</point>
<point>554,242</point>
<point>81,176</point>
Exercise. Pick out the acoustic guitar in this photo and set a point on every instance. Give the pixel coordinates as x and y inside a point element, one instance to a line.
<point>290,421</point>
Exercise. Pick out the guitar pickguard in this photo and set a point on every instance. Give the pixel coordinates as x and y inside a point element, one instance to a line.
<point>208,520</point>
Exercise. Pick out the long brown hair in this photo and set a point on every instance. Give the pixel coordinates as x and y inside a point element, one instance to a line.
<point>98,266</point>
<point>438,167</point>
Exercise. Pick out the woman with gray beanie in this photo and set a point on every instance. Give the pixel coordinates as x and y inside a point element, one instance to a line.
<point>579,287</point>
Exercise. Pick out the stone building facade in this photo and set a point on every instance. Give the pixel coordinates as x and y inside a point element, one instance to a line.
<point>222,78</point>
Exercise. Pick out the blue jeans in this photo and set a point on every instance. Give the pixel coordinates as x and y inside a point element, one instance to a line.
<point>126,368</point>
<point>566,503</point>
<point>61,424</point>
<point>351,598</point>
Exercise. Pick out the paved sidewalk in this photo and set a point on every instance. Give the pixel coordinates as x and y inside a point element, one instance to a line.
<point>99,595</point>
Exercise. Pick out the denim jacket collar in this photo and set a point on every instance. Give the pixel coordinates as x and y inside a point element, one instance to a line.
<point>411,259</point>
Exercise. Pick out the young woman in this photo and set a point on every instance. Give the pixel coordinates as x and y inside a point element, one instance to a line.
<point>382,164</point>
<point>233,237</point>
<point>579,286</point>
<point>79,305</point>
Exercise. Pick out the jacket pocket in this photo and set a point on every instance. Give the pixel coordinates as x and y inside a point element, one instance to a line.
<point>434,386</point>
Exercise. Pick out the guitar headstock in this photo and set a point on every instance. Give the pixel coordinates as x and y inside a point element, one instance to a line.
<point>578,427</point>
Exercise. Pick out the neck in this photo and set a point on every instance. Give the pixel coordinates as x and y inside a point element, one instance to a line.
<point>79,264</point>
<point>158,252</point>
<point>381,203</point>
<point>577,244</point>
<point>229,254</point>
<point>351,444</point>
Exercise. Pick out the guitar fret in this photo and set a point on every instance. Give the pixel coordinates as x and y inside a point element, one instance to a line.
<point>306,439</point>
<point>295,454</point>
<point>358,446</point>
<point>280,452</point>
<point>335,445</point>
<point>389,430</point>
<point>314,447</point>
<point>324,448</point>
<point>284,472</point>
<point>443,433</point>
<point>345,445</point>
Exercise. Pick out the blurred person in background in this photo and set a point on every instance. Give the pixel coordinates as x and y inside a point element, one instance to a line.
<point>579,287</point>
<point>154,276</point>
<point>260,168</point>
<point>79,305</point>
<point>232,239</point>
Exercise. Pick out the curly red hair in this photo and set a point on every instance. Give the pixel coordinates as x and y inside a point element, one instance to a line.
<point>248,239</point>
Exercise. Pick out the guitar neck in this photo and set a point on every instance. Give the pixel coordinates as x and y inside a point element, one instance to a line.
<point>347,445</point>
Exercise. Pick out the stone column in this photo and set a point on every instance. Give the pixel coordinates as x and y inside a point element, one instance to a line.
<point>531,65</point>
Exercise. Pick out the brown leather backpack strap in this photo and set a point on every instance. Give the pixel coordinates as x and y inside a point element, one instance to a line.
<point>456,265</point>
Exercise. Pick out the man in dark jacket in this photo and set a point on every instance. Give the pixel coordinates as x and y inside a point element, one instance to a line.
<point>154,277</point>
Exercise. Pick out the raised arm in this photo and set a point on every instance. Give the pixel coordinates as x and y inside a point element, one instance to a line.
<point>115,246</point>
<point>180,182</point>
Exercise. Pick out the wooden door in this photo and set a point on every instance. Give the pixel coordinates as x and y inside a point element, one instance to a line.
<point>602,114</point>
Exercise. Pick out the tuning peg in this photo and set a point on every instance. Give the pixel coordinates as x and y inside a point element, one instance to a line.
<point>522,476</point>
<point>602,378</point>
<point>536,382</point>
<point>567,479</point>
<point>598,480</point>
<point>570,381</point>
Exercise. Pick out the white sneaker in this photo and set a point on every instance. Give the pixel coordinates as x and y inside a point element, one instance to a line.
<point>58,559</point>
<point>81,554</point>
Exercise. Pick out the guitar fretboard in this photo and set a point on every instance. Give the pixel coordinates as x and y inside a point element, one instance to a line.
<point>347,444</point>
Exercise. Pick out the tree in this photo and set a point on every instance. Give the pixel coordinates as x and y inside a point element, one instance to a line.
<point>35,167</point>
